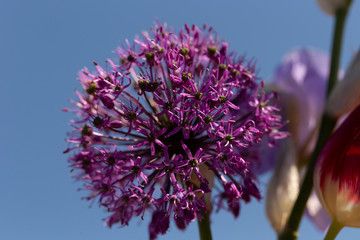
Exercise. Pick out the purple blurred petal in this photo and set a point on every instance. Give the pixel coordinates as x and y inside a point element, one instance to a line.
<point>317,214</point>
<point>302,77</point>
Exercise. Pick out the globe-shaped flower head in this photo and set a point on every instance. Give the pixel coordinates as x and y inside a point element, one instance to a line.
<point>178,118</point>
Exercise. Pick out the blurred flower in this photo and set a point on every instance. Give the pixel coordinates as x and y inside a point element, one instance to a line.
<point>337,173</point>
<point>330,6</point>
<point>154,132</point>
<point>283,188</point>
<point>316,212</point>
<point>346,94</point>
<point>300,81</point>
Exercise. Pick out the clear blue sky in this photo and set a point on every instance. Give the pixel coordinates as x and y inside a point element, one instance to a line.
<point>44,43</point>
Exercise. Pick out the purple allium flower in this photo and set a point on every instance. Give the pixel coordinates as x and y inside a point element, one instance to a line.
<point>155,131</point>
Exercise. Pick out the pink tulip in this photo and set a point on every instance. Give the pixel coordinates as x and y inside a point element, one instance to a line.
<point>337,173</point>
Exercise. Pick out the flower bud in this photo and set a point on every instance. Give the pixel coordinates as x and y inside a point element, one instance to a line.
<point>337,173</point>
<point>283,188</point>
<point>331,6</point>
<point>346,95</point>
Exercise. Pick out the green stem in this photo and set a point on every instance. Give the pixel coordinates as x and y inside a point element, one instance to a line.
<point>326,129</point>
<point>204,227</point>
<point>333,231</point>
<point>341,15</point>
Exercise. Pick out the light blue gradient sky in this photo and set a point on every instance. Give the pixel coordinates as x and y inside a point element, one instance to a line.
<point>44,43</point>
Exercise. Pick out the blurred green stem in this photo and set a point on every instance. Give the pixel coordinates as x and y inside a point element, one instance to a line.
<point>326,129</point>
<point>333,231</point>
<point>204,227</point>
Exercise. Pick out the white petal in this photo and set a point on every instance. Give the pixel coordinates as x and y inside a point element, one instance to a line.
<point>283,188</point>
<point>346,94</point>
<point>348,208</point>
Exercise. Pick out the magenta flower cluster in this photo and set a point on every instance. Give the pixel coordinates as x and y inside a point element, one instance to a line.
<point>172,129</point>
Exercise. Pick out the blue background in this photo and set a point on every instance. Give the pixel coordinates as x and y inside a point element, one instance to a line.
<point>43,44</point>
